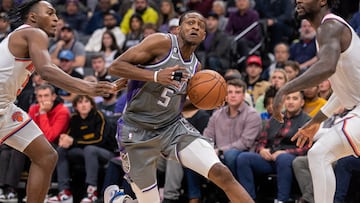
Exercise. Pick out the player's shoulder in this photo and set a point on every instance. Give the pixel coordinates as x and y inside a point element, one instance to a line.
<point>158,38</point>
<point>157,41</point>
<point>30,33</point>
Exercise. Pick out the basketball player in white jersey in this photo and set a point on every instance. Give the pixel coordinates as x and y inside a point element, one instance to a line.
<point>22,52</point>
<point>152,126</point>
<point>338,52</point>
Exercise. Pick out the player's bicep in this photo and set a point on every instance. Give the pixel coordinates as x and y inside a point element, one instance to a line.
<point>329,39</point>
<point>38,50</point>
<point>150,48</point>
<point>136,55</point>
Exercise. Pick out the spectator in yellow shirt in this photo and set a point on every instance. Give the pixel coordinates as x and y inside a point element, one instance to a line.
<point>148,14</point>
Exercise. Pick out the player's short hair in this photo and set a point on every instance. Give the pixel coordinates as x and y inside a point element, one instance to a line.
<point>183,16</point>
<point>237,83</point>
<point>333,3</point>
<point>19,13</point>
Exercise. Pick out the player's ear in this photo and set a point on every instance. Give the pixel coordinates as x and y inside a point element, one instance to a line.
<point>323,3</point>
<point>32,17</point>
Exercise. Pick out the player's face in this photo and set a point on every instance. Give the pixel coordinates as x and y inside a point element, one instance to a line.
<point>293,103</point>
<point>46,18</point>
<point>306,9</point>
<point>192,29</point>
<point>235,95</point>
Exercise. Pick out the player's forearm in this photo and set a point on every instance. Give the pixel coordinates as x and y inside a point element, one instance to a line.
<point>64,81</point>
<point>126,70</point>
<point>310,78</point>
<point>319,117</point>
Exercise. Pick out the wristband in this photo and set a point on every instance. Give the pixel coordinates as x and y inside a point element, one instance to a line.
<point>156,76</point>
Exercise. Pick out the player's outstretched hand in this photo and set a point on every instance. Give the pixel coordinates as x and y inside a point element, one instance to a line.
<point>306,134</point>
<point>103,88</point>
<point>278,106</point>
<point>173,76</point>
<point>120,84</point>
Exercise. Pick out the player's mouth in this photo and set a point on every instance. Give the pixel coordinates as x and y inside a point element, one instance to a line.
<point>299,9</point>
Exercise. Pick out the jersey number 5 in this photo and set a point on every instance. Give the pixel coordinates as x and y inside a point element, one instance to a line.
<point>165,97</point>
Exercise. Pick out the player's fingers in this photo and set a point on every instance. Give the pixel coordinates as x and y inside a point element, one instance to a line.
<point>300,143</point>
<point>179,68</point>
<point>105,85</point>
<point>311,141</point>
<point>120,84</point>
<point>175,83</point>
<point>278,116</point>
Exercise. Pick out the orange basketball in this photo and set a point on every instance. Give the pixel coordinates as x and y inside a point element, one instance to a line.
<point>207,89</point>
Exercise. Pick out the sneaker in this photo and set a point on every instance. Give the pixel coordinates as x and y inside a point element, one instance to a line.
<point>91,195</point>
<point>64,196</point>
<point>113,194</point>
<point>2,197</point>
<point>11,197</point>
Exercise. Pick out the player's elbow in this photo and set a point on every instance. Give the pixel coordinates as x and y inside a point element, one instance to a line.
<point>114,68</point>
<point>46,73</point>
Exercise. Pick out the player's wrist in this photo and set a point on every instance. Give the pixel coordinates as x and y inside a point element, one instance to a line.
<point>156,75</point>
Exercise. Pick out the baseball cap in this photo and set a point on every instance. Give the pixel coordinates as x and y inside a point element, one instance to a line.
<point>174,22</point>
<point>67,27</point>
<point>67,55</point>
<point>254,60</point>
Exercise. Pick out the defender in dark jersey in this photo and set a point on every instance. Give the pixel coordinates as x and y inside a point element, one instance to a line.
<point>152,125</point>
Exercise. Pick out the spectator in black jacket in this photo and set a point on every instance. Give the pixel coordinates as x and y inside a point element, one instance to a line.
<point>89,137</point>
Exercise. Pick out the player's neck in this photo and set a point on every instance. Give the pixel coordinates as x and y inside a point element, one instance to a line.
<point>317,19</point>
<point>186,48</point>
